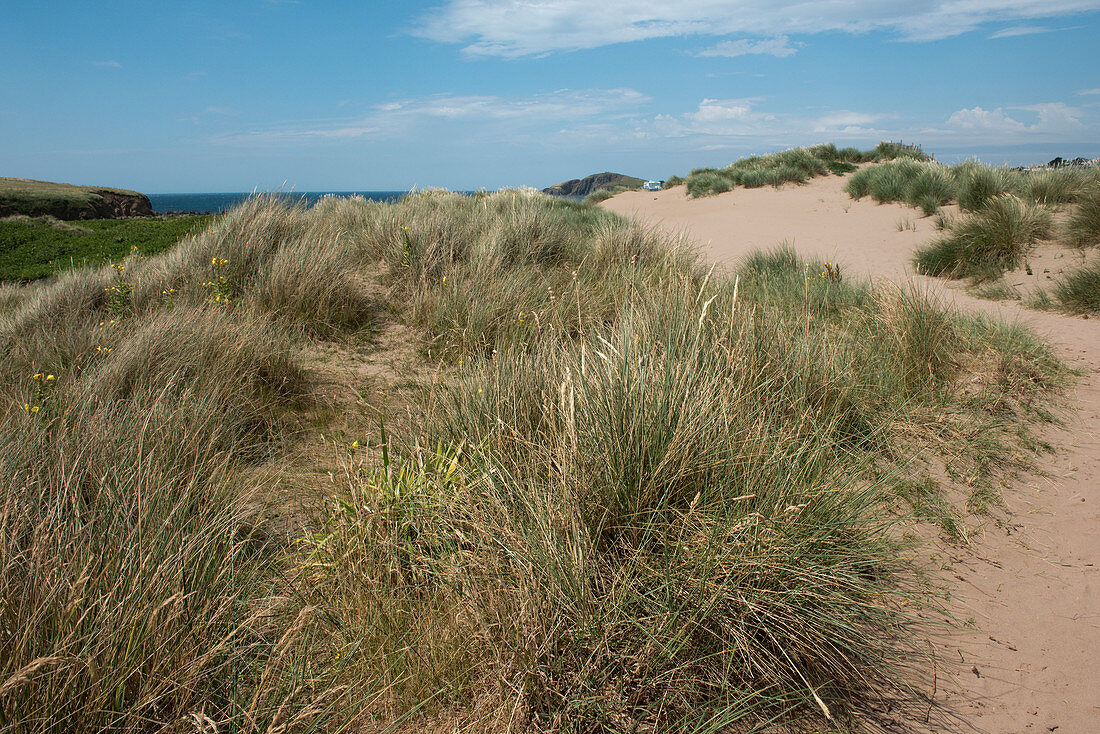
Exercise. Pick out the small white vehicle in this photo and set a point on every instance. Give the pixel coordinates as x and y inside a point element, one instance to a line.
<point>653,185</point>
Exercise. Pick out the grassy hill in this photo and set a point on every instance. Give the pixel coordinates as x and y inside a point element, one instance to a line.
<point>490,461</point>
<point>67,201</point>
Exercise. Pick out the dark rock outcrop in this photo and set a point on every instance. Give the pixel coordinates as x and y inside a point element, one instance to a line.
<point>116,205</point>
<point>595,182</point>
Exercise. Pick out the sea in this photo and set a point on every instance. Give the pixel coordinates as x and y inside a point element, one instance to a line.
<point>214,203</point>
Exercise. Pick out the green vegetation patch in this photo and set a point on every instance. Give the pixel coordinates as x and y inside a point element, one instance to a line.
<point>927,185</point>
<point>796,165</point>
<point>36,247</point>
<point>1004,211</point>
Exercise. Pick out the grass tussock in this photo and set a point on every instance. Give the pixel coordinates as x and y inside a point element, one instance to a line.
<point>641,494</point>
<point>796,165</point>
<point>1079,291</point>
<point>985,244</point>
<point>1084,223</point>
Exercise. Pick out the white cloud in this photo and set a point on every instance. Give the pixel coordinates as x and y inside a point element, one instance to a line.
<point>112,64</point>
<point>533,27</point>
<point>977,118</point>
<point>727,117</point>
<point>779,46</point>
<point>1022,30</point>
<point>1053,118</point>
<point>1088,91</point>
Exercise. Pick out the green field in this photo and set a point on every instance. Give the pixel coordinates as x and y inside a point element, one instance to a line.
<point>33,248</point>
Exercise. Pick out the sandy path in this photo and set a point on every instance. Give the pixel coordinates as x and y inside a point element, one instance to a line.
<point>1031,589</point>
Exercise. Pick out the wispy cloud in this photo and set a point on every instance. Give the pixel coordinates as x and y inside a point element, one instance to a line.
<point>718,124</point>
<point>1022,30</point>
<point>558,105</point>
<point>525,28</point>
<point>1083,92</point>
<point>779,46</point>
<point>106,64</point>
<point>400,118</point>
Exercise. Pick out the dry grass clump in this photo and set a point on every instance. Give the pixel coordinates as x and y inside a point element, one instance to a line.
<point>47,220</point>
<point>654,497</point>
<point>137,586</point>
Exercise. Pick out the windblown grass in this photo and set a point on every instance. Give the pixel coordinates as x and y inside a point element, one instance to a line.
<point>654,497</point>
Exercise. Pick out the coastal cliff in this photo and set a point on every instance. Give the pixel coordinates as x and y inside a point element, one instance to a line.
<point>595,182</point>
<point>69,202</point>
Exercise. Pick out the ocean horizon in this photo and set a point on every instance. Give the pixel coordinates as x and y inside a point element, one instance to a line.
<point>218,202</point>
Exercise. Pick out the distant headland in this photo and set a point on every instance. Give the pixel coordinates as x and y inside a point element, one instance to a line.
<point>595,182</point>
<point>69,202</point>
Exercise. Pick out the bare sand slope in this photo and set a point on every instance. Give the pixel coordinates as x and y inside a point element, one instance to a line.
<point>1029,661</point>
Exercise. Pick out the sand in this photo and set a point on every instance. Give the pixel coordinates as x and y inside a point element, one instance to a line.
<point>1027,656</point>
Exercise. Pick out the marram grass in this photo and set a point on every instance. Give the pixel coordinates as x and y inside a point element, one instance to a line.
<point>796,165</point>
<point>636,493</point>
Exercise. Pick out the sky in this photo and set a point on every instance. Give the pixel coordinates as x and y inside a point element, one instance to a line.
<point>305,95</point>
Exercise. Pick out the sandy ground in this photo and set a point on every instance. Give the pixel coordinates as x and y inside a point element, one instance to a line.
<point>1027,658</point>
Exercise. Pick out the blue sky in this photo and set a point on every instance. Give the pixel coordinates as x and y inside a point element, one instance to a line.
<point>238,94</point>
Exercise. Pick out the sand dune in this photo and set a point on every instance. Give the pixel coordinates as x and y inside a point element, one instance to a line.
<point>1030,658</point>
